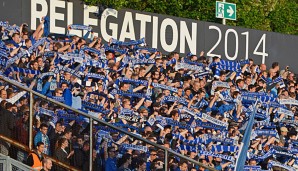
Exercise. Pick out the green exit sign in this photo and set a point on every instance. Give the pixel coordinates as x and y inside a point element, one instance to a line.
<point>225,10</point>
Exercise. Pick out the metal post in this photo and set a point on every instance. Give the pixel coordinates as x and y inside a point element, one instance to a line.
<point>166,160</point>
<point>91,144</point>
<point>31,121</point>
<point>224,20</point>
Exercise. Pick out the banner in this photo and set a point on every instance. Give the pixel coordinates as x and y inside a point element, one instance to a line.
<point>163,32</point>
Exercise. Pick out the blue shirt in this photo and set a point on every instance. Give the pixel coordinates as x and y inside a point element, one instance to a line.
<point>111,164</point>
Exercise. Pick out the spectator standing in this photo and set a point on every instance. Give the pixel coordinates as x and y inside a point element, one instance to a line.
<point>61,154</point>
<point>7,123</point>
<point>110,157</point>
<point>42,136</point>
<point>35,158</point>
<point>53,135</point>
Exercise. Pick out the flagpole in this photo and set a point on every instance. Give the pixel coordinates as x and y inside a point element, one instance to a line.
<point>238,155</point>
<point>241,157</point>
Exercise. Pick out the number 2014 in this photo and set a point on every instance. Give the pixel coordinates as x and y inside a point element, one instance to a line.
<point>246,34</point>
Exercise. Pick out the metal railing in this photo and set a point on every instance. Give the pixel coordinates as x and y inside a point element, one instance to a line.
<point>167,151</point>
<point>7,163</point>
<point>28,150</point>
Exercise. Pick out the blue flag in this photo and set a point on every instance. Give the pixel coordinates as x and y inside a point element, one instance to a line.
<point>245,142</point>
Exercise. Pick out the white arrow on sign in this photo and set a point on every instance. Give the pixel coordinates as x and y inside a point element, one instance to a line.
<point>230,11</point>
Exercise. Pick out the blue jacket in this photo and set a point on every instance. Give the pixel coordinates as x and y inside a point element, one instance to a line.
<point>39,137</point>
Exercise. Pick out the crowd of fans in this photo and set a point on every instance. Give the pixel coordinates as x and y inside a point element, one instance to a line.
<point>196,105</point>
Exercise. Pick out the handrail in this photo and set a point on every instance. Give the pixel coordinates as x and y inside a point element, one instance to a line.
<point>27,149</point>
<point>167,150</point>
<point>10,162</point>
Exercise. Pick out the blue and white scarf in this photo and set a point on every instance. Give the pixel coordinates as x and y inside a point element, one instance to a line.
<point>48,54</point>
<point>96,64</point>
<point>267,132</point>
<point>271,82</point>
<point>113,49</point>
<point>21,70</point>
<point>96,76</point>
<point>8,28</point>
<point>41,76</point>
<point>162,86</point>
<point>92,50</point>
<point>207,117</point>
<point>230,65</point>
<point>248,97</point>
<point>288,122</point>
<point>189,67</point>
<point>272,164</point>
<point>36,44</point>
<point>185,60</point>
<point>196,141</point>
<point>80,27</point>
<point>180,100</point>
<point>213,120</point>
<point>132,42</point>
<point>169,121</point>
<point>201,75</point>
<point>15,58</point>
<point>46,112</point>
<point>128,115</point>
<point>224,148</point>
<point>134,147</point>
<point>101,134</point>
<point>58,98</point>
<point>285,111</point>
<point>127,80</point>
<point>95,107</point>
<point>265,123</point>
<point>219,139</point>
<point>288,101</point>
<point>3,46</point>
<point>3,60</point>
<point>143,61</point>
<point>209,125</point>
<point>216,84</point>
<point>252,168</point>
<point>62,114</point>
<point>4,24</point>
<point>225,157</point>
<point>72,57</point>
<point>185,116</point>
<point>66,69</point>
<point>126,93</point>
<point>189,148</point>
